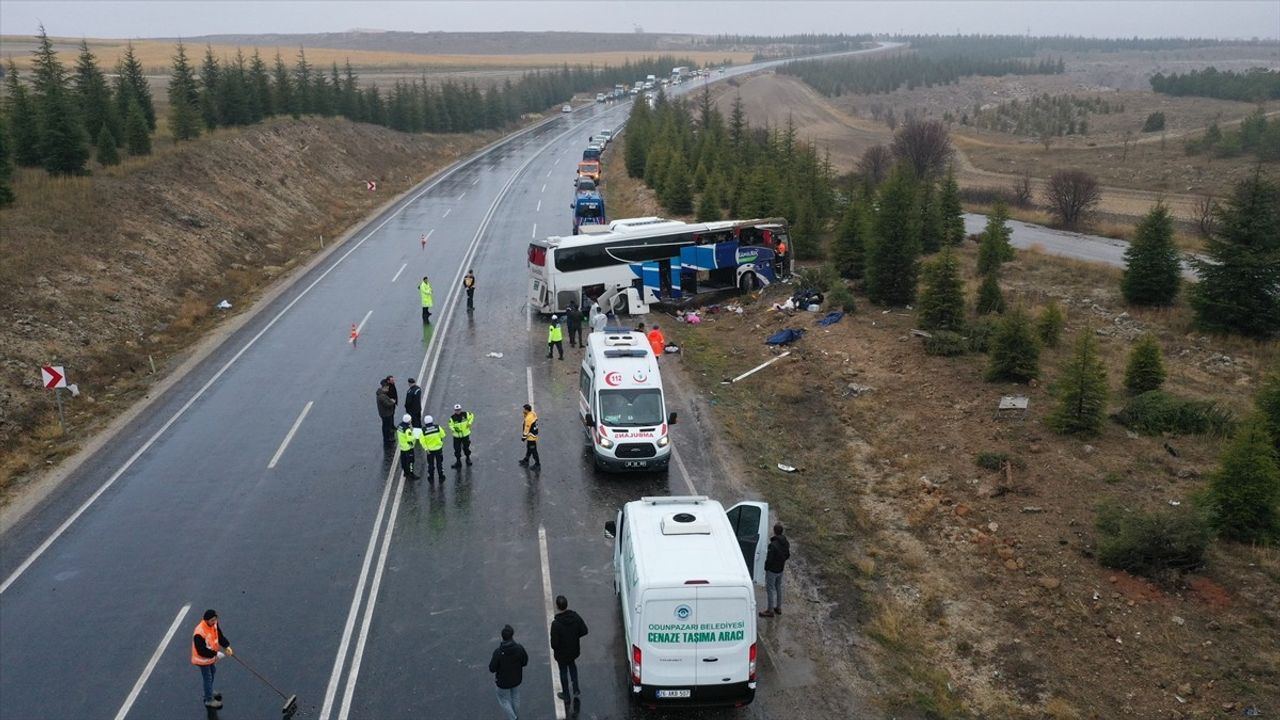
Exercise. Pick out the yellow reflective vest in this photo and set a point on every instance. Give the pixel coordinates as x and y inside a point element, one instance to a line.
<point>554,333</point>
<point>461,428</point>
<point>432,438</point>
<point>404,436</point>
<point>424,289</point>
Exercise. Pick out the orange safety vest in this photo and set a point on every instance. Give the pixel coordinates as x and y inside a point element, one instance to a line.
<point>210,635</point>
<point>657,342</point>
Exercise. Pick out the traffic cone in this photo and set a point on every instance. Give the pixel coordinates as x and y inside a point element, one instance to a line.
<point>355,334</point>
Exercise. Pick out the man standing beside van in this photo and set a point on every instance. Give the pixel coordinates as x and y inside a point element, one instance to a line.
<point>507,666</point>
<point>775,561</point>
<point>567,631</point>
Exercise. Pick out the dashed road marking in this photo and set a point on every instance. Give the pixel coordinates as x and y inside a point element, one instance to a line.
<point>151,664</point>
<point>402,267</point>
<point>296,424</point>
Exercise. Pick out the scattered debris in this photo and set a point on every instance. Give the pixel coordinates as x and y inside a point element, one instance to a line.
<point>494,355</point>
<point>786,468</point>
<point>761,366</point>
<point>921,334</point>
<point>224,305</point>
<point>1012,406</point>
<point>830,318</point>
<point>786,336</point>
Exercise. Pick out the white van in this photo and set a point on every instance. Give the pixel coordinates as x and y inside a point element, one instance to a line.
<point>620,401</point>
<point>683,572</point>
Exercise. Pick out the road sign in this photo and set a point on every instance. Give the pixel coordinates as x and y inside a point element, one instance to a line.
<point>54,376</point>
<point>371,184</point>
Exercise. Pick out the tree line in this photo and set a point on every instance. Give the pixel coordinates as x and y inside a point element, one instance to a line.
<point>869,76</point>
<point>1024,46</point>
<point>1253,85</point>
<point>1256,135</point>
<point>1043,114</point>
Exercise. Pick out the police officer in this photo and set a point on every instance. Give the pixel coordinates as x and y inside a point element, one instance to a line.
<point>555,337</point>
<point>424,292</point>
<point>432,439</point>
<point>530,437</point>
<point>413,402</point>
<point>469,282</point>
<point>460,428</point>
<point>405,438</point>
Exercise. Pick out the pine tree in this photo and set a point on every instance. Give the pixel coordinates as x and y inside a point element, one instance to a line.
<point>894,250</point>
<point>93,95</point>
<point>1152,266</point>
<point>951,210</point>
<point>260,88</point>
<point>184,97</point>
<point>1145,370</point>
<point>1049,324</point>
<point>676,196</point>
<point>1238,279</point>
<point>759,199</point>
<point>137,137</point>
<point>23,121</point>
<point>1244,492</point>
<point>107,149</point>
<point>6,165</point>
<point>942,301</point>
<point>709,203</point>
<point>211,90</point>
<point>282,96</point>
<point>1014,353</point>
<point>849,251</point>
<point>1081,391</point>
<point>64,148</point>
<point>132,86</point>
<point>990,296</point>
<point>1268,403</point>
<point>805,243</point>
<point>994,248</point>
<point>302,84</point>
<point>931,220</point>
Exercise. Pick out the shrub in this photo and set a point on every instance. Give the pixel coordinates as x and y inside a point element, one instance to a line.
<point>1050,323</point>
<point>1081,391</point>
<point>945,343</point>
<point>1244,492</point>
<point>839,297</point>
<point>817,277</point>
<point>1268,403</point>
<point>990,297</point>
<point>992,460</point>
<point>980,334</point>
<point>1145,370</point>
<point>1015,355</point>
<point>1154,123</point>
<point>1152,544</point>
<point>1156,411</point>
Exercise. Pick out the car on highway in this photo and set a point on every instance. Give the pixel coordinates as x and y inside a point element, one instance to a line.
<point>604,137</point>
<point>566,108</point>
<point>584,184</point>
<point>600,97</point>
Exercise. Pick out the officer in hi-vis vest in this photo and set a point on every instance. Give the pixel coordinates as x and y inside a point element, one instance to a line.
<point>460,426</point>
<point>432,439</point>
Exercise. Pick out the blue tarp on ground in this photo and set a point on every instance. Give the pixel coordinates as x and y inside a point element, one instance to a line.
<point>831,318</point>
<point>785,337</point>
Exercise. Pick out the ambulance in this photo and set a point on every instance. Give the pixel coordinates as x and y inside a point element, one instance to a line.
<point>620,401</point>
<point>684,569</point>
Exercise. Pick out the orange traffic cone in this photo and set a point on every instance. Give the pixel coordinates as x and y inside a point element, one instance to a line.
<point>355,334</point>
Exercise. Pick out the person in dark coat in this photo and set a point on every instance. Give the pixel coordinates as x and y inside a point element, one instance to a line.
<point>567,630</point>
<point>507,666</point>
<point>386,411</point>
<point>574,320</point>
<point>391,388</point>
<point>775,561</point>
<point>413,402</point>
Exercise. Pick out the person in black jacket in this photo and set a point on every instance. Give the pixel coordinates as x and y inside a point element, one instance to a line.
<point>567,629</point>
<point>507,666</point>
<point>775,561</point>
<point>413,402</point>
<point>573,317</point>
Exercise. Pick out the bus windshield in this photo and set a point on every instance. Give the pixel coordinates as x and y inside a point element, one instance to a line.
<point>631,408</point>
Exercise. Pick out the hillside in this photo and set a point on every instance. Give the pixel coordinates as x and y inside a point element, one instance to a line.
<point>101,273</point>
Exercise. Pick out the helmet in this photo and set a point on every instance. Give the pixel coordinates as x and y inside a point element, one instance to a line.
<point>457,407</point>
<point>406,418</point>
<point>555,318</point>
<point>428,420</point>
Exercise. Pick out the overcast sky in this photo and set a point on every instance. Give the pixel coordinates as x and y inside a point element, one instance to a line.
<point>1103,18</point>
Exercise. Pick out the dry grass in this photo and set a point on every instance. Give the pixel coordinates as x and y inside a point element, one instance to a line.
<point>156,55</point>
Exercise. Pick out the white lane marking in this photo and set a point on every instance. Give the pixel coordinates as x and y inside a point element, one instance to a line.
<point>528,381</point>
<point>546,596</point>
<point>296,424</point>
<point>473,182</point>
<point>528,320</point>
<point>544,188</point>
<point>151,664</point>
<point>429,233</point>
<point>535,231</point>
<point>436,346</point>
<point>446,212</point>
<point>360,327</point>
<point>464,194</point>
<point>684,472</point>
<point>557,162</point>
<point>549,172</point>
<point>539,209</point>
<point>44,546</point>
<point>397,275</point>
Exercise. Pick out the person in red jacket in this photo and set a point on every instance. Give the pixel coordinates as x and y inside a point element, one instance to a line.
<point>657,341</point>
<point>208,646</point>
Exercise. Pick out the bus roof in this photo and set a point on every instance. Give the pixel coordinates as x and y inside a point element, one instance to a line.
<point>649,226</point>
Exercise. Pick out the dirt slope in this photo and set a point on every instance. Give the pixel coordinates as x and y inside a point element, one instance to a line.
<point>97,273</point>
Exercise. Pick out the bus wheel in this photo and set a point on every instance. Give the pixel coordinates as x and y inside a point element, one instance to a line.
<point>747,283</point>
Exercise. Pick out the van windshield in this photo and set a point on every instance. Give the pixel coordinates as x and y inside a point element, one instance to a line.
<point>631,408</point>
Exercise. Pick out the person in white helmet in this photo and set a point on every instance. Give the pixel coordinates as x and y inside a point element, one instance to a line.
<point>432,440</point>
<point>555,337</point>
<point>405,439</point>
<point>460,427</point>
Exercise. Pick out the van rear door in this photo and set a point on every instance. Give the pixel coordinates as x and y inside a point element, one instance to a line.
<point>750,521</point>
<point>669,655</point>
<point>725,634</point>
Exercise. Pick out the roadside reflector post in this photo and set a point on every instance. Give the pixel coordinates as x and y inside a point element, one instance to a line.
<point>62,420</point>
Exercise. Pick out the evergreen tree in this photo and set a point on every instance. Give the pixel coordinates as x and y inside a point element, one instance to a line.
<point>1014,353</point>
<point>1238,279</point>
<point>131,86</point>
<point>737,125</point>
<point>951,211</point>
<point>931,220</point>
<point>990,296</point>
<point>805,243</point>
<point>260,101</point>
<point>64,148</point>
<point>282,95</point>
<point>676,195</point>
<point>994,248</point>
<point>93,95</point>
<point>1081,391</point>
<point>1268,403</point>
<point>1145,370</point>
<point>211,90</point>
<point>1152,267</point>
<point>849,252</point>
<point>759,199</point>
<point>137,137</point>
<point>6,165</point>
<point>302,84</point>
<point>709,203</point>
<point>1244,492</point>
<point>942,301</point>
<point>22,116</point>
<point>184,98</point>
<point>1049,324</point>
<point>894,250</point>
<point>108,151</point>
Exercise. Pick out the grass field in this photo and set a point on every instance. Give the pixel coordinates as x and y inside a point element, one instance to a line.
<point>157,55</point>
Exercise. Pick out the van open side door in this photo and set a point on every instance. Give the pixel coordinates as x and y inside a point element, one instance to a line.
<point>750,522</point>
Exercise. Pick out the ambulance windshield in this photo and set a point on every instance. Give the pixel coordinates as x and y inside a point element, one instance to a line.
<point>631,408</point>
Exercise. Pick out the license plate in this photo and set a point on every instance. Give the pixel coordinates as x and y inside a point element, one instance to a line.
<point>673,693</point>
<point>639,463</point>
